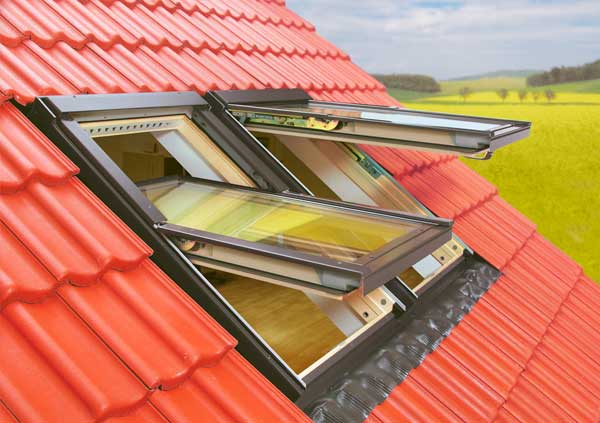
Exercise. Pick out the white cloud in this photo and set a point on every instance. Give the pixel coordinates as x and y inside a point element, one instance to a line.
<point>449,38</point>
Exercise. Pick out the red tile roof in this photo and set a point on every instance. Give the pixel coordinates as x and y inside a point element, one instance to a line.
<point>527,351</point>
<point>91,328</point>
<point>68,46</point>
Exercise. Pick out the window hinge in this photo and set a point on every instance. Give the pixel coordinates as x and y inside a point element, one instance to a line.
<point>368,165</point>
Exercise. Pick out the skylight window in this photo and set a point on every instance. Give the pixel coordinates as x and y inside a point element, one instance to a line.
<point>232,216</point>
<point>383,126</point>
<point>334,247</point>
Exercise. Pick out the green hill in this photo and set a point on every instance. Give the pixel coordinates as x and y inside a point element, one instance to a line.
<point>452,87</point>
<point>524,73</point>
<point>592,86</point>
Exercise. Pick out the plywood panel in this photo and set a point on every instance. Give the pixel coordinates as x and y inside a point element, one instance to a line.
<point>292,324</point>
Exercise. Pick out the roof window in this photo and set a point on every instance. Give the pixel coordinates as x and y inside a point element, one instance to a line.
<point>246,218</point>
<point>292,112</point>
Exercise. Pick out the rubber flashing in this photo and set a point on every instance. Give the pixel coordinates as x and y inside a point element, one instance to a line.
<point>352,397</point>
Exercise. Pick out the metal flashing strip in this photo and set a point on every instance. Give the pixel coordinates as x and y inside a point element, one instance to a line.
<point>352,397</point>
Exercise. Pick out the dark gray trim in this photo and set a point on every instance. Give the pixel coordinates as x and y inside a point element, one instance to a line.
<point>294,95</point>
<point>130,101</point>
<point>352,397</point>
<point>110,169</point>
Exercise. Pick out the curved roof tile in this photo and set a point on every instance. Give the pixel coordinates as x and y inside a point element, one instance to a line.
<point>93,330</point>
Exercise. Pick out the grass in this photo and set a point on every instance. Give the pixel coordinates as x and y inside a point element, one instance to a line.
<point>484,84</point>
<point>490,98</point>
<point>592,86</point>
<point>485,90</point>
<point>553,177</point>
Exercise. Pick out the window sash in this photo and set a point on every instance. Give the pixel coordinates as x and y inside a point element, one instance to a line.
<point>382,126</point>
<point>327,267</point>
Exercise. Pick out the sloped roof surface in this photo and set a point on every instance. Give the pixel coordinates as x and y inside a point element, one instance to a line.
<point>527,351</point>
<point>104,46</point>
<point>91,329</point>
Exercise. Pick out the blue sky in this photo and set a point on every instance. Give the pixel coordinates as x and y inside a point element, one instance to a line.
<point>453,38</point>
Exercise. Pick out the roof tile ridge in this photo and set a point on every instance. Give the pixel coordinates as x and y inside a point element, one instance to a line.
<point>431,165</point>
<point>37,177</point>
<point>77,392</point>
<point>518,251</point>
<point>113,263</point>
<point>535,349</point>
<point>68,168</point>
<point>189,302</point>
<point>209,11</point>
<point>145,250</point>
<point>59,35</point>
<point>11,298</point>
<point>64,281</point>
<point>247,372</point>
<point>164,384</point>
<point>115,39</point>
<point>361,89</point>
<point>276,51</point>
<point>472,207</point>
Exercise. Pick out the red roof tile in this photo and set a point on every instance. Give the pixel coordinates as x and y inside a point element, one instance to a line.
<point>94,330</point>
<point>114,46</point>
<point>410,402</point>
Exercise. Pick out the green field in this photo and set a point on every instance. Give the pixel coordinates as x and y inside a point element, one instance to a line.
<point>485,90</point>
<point>553,177</point>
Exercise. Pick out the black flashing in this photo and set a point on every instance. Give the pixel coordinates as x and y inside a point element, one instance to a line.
<point>294,95</point>
<point>352,397</point>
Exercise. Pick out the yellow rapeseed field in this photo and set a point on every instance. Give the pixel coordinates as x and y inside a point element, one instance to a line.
<point>491,98</point>
<point>553,177</point>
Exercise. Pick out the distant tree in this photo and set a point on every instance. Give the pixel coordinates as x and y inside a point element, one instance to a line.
<point>465,92</point>
<point>412,82</point>
<point>558,75</point>
<point>550,95</point>
<point>502,93</point>
<point>535,95</point>
<point>522,95</point>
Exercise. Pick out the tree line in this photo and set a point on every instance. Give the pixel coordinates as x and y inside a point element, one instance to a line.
<point>558,75</point>
<point>503,93</point>
<point>412,82</point>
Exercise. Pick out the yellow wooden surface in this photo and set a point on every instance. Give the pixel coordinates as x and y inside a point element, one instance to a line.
<point>292,325</point>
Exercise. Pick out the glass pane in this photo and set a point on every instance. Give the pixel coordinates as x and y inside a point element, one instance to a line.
<point>395,116</point>
<point>146,148</point>
<point>322,230</point>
